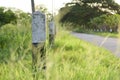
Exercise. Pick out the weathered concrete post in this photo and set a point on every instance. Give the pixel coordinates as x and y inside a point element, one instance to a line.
<point>52,32</point>
<point>38,42</point>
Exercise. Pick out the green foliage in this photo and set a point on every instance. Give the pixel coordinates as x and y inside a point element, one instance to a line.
<point>106,34</point>
<point>44,10</point>
<point>13,40</point>
<point>13,16</point>
<point>101,4</point>
<point>106,22</point>
<point>75,59</point>
<point>23,18</point>
<point>69,58</point>
<point>80,12</point>
<point>7,16</point>
<point>41,8</point>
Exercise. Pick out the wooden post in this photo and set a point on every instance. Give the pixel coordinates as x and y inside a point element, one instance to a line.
<point>38,42</point>
<point>52,32</point>
<point>33,6</point>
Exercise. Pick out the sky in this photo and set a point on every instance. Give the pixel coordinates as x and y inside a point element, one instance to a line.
<point>25,5</point>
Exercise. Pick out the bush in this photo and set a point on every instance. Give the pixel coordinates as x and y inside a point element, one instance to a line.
<point>106,22</point>
<point>13,39</point>
<point>7,16</point>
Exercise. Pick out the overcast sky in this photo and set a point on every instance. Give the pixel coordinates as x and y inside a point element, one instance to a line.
<point>25,5</point>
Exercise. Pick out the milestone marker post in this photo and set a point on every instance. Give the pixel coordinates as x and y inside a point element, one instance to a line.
<point>52,28</point>
<point>38,42</point>
<point>52,32</point>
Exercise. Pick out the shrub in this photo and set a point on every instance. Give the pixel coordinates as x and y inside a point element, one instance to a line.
<point>13,39</point>
<point>106,22</point>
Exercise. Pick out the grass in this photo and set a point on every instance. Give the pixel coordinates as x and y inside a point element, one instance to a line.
<point>15,52</point>
<point>104,34</point>
<point>69,58</point>
<point>78,60</point>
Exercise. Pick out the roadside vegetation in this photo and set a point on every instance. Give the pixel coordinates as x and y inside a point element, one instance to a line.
<point>69,58</point>
<point>104,34</point>
<point>91,16</point>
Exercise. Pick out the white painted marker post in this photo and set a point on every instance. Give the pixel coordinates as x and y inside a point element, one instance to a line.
<point>38,41</point>
<point>52,32</point>
<point>38,28</point>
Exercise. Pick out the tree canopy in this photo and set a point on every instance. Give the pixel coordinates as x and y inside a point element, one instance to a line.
<point>7,16</point>
<point>44,10</point>
<point>80,12</point>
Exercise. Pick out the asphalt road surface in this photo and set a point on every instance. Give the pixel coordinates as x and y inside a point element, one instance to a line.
<point>112,44</point>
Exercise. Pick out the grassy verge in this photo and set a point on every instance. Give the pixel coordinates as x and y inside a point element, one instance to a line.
<point>15,52</point>
<point>73,59</point>
<point>68,59</point>
<point>104,34</point>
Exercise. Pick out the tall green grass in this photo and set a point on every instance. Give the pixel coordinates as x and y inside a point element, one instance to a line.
<point>69,58</point>
<point>15,52</point>
<point>74,59</point>
<point>104,34</point>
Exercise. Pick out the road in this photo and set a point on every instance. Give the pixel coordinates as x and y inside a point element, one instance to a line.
<point>111,44</point>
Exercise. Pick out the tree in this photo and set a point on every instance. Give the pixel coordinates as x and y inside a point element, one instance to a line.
<point>7,16</point>
<point>82,11</point>
<point>106,22</point>
<point>44,10</point>
<point>41,8</point>
<point>2,16</point>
